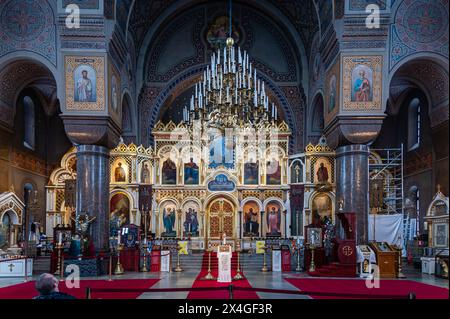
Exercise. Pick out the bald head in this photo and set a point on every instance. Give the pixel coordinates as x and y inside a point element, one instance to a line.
<point>46,284</point>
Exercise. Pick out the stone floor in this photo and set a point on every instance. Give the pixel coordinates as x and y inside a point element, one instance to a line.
<point>256,279</point>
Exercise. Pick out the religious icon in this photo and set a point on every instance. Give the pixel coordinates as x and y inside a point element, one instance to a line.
<point>273,176</point>
<point>322,206</point>
<point>114,93</point>
<point>119,173</point>
<point>169,173</point>
<point>322,174</point>
<point>273,220</point>
<point>169,216</point>
<point>314,237</point>
<point>85,84</point>
<point>296,173</point>
<point>251,219</point>
<point>362,88</point>
<point>191,223</point>
<point>191,173</point>
<point>119,212</point>
<point>332,93</point>
<point>251,173</point>
<point>145,174</point>
<point>219,32</point>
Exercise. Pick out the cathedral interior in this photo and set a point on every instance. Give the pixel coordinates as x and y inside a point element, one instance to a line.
<point>140,139</point>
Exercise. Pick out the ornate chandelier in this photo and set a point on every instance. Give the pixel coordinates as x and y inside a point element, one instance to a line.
<point>230,94</point>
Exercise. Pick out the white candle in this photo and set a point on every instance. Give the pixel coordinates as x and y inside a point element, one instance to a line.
<point>60,238</point>
<point>118,239</point>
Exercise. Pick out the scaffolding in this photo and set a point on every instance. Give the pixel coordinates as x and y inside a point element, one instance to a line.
<point>386,166</point>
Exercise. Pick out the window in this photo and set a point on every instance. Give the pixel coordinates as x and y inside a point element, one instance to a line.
<point>413,124</point>
<point>29,139</point>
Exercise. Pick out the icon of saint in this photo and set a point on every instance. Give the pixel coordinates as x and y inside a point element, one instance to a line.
<point>84,88</point>
<point>119,173</point>
<point>322,174</point>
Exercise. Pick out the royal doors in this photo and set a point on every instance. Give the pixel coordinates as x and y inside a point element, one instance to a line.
<point>221,218</point>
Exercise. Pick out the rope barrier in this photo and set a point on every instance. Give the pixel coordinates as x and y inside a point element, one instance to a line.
<point>231,289</point>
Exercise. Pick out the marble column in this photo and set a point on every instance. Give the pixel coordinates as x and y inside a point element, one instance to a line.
<point>352,185</point>
<point>93,191</point>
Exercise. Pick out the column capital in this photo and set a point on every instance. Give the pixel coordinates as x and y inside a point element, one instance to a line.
<point>87,130</point>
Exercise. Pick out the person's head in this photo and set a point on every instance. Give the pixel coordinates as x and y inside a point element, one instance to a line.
<point>321,165</point>
<point>251,210</point>
<point>46,284</point>
<point>362,73</point>
<point>84,73</point>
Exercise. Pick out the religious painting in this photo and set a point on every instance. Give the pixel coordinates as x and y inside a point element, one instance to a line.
<point>120,172</point>
<point>362,79</point>
<point>362,82</point>
<point>119,212</point>
<point>314,236</point>
<point>296,172</point>
<point>322,171</point>
<point>219,32</point>
<point>168,217</point>
<point>323,207</point>
<point>191,173</point>
<point>85,80</point>
<point>273,219</point>
<point>440,235</point>
<point>114,94</point>
<point>332,93</point>
<point>169,172</point>
<point>273,172</point>
<point>145,173</point>
<point>85,87</point>
<point>251,173</point>
<point>221,151</point>
<point>251,219</point>
<point>191,225</point>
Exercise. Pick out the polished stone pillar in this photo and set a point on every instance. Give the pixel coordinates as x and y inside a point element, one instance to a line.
<point>352,185</point>
<point>93,191</point>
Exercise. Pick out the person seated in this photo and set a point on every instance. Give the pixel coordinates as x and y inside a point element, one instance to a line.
<point>47,285</point>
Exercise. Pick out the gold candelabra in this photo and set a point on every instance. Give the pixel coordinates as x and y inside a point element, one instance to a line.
<point>209,276</point>
<point>264,267</point>
<point>144,266</point>
<point>312,266</point>
<point>59,266</point>
<point>299,268</point>
<point>238,275</point>
<point>178,268</point>
<point>110,265</point>
<point>119,268</point>
<point>399,270</point>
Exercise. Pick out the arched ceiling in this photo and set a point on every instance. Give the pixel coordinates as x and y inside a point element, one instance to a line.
<point>302,15</point>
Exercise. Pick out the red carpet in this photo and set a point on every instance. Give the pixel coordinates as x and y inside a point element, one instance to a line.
<point>358,286</point>
<point>220,294</point>
<point>27,290</point>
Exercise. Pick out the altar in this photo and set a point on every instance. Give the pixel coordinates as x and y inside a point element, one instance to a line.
<point>16,267</point>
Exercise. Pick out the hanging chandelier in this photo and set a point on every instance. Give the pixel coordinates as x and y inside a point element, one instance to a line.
<point>230,94</point>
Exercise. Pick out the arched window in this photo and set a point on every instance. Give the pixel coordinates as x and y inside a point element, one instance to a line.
<point>413,124</point>
<point>29,138</point>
